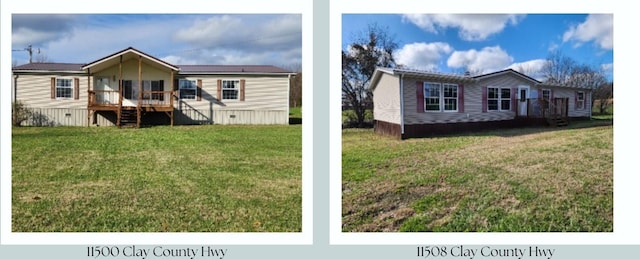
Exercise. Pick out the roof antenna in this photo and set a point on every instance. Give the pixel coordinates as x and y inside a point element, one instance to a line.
<point>30,50</point>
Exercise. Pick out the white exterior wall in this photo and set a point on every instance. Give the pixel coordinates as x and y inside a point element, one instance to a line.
<point>35,91</point>
<point>266,101</point>
<point>386,99</point>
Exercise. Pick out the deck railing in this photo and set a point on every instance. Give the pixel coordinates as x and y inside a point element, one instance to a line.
<point>103,98</point>
<point>149,98</point>
<point>539,108</point>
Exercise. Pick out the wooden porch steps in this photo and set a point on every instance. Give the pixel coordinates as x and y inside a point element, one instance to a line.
<point>128,118</point>
<point>558,122</point>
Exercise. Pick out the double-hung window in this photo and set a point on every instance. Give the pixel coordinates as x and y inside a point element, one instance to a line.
<point>64,88</point>
<point>440,97</point>
<point>230,89</point>
<point>580,100</point>
<point>188,89</point>
<point>498,99</point>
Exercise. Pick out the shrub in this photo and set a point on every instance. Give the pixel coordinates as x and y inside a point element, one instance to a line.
<point>19,113</point>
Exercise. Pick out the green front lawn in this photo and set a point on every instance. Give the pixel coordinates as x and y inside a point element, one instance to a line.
<point>183,178</point>
<point>517,180</point>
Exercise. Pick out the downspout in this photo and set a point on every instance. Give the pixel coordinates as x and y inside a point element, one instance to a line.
<point>401,105</point>
<point>15,88</point>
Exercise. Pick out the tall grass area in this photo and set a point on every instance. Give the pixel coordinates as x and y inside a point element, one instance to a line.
<point>184,178</point>
<point>517,180</point>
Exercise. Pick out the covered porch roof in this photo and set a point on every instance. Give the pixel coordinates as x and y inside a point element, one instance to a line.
<point>127,54</point>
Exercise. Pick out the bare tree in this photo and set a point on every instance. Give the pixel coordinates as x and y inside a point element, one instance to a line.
<point>374,48</point>
<point>295,93</point>
<point>604,96</point>
<point>558,69</point>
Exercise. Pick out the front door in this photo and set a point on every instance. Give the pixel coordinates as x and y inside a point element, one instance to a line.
<point>523,96</point>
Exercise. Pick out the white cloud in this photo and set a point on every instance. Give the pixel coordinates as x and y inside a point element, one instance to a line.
<point>533,68</point>
<point>472,27</point>
<point>420,55</point>
<point>249,33</point>
<point>597,28</point>
<point>488,59</point>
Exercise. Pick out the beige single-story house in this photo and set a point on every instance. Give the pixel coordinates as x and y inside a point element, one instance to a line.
<point>132,88</point>
<point>412,103</point>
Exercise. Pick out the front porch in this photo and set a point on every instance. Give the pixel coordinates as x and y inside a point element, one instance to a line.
<point>555,111</point>
<point>130,83</point>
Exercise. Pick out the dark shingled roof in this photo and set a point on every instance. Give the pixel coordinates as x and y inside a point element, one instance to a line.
<point>50,67</point>
<point>231,69</point>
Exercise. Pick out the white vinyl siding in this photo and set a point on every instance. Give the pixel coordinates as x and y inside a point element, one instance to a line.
<point>264,94</point>
<point>386,99</point>
<point>35,91</point>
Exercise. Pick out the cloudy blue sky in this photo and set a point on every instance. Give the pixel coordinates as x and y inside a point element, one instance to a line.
<point>487,42</point>
<point>261,39</point>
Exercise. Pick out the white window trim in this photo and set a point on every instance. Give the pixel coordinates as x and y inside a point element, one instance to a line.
<point>71,86</point>
<point>499,99</point>
<point>195,96</point>
<point>237,88</point>
<point>441,97</point>
<point>583,101</point>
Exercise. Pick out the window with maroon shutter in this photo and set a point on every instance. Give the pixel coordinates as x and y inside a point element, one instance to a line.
<point>484,99</point>
<point>460,98</point>
<point>242,83</point>
<point>199,90</point>
<point>513,99</point>
<point>219,90</point>
<point>419,97</point>
<point>76,88</point>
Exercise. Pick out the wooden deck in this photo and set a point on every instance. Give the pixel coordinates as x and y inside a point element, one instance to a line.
<point>147,101</point>
<point>555,111</point>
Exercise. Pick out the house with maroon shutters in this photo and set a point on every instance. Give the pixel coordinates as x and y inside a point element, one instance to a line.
<point>412,103</point>
<point>133,88</point>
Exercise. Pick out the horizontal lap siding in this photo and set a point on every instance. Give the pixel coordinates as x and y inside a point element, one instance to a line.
<point>472,106</point>
<point>386,99</point>
<point>266,101</point>
<point>571,94</point>
<point>35,92</point>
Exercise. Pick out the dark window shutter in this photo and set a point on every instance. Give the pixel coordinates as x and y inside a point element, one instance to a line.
<point>219,91</point>
<point>460,98</point>
<point>199,90</point>
<point>419,97</point>
<point>575,101</point>
<point>551,95</point>
<point>514,100</point>
<point>76,88</point>
<point>53,88</point>
<point>484,99</point>
<point>242,89</point>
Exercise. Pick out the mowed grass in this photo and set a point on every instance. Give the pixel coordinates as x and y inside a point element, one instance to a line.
<point>160,179</point>
<point>517,180</point>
